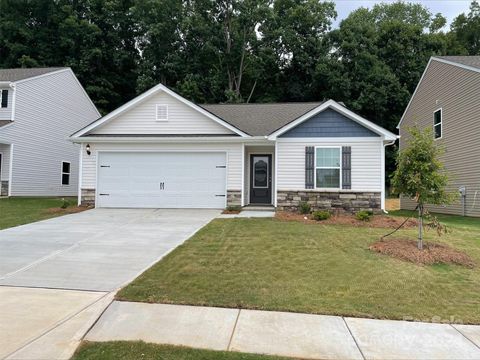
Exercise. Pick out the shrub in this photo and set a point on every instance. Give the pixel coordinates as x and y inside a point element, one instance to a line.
<point>304,208</point>
<point>321,215</point>
<point>65,204</point>
<point>234,208</point>
<point>364,215</point>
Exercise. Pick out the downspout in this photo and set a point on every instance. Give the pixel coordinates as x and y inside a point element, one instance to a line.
<point>383,174</point>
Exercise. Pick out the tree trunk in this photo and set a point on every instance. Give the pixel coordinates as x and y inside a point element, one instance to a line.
<point>420,227</point>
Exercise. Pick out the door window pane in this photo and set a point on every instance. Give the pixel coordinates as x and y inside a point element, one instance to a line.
<point>260,172</point>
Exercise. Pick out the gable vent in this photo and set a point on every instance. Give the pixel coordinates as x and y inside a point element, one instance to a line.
<point>162,112</point>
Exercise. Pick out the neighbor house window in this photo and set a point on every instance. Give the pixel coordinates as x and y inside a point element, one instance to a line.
<point>162,112</point>
<point>4,98</point>
<point>437,124</point>
<point>327,167</point>
<point>65,173</point>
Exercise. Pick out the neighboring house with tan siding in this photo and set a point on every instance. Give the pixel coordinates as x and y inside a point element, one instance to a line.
<point>39,109</point>
<point>447,100</point>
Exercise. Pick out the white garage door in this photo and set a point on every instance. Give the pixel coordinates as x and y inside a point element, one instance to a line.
<point>161,180</point>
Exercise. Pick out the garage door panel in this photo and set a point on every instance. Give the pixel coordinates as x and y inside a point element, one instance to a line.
<point>162,180</point>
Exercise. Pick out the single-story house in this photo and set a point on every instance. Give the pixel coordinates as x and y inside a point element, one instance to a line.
<point>161,150</point>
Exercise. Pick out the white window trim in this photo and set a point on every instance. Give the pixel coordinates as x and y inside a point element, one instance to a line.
<point>441,124</point>
<point>322,167</point>
<point>156,112</point>
<point>65,173</point>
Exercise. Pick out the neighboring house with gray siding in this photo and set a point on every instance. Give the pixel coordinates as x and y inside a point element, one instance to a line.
<point>39,109</point>
<point>447,100</point>
<point>162,151</point>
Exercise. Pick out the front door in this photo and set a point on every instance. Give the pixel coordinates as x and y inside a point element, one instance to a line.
<point>260,179</point>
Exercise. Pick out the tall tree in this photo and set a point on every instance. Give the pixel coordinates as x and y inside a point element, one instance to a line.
<point>297,34</point>
<point>466,29</point>
<point>94,37</point>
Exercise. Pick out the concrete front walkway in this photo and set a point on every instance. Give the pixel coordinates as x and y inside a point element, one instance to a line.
<point>289,334</point>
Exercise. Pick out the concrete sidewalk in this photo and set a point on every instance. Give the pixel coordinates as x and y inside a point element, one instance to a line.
<point>288,334</point>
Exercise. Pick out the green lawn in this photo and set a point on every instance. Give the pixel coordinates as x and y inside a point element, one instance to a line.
<point>19,211</point>
<point>288,266</point>
<point>135,350</point>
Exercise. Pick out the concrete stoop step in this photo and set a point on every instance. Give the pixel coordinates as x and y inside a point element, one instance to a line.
<point>258,208</point>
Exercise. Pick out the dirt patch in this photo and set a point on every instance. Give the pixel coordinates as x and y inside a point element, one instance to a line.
<point>68,210</point>
<point>432,253</point>
<point>377,221</point>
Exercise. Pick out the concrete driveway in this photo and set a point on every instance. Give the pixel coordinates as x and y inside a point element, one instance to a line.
<point>96,250</point>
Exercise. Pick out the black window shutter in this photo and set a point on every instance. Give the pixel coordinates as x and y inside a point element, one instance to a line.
<point>346,167</point>
<point>4,98</point>
<point>309,167</point>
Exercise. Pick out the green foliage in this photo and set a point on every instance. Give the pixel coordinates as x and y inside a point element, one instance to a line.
<point>363,215</point>
<point>234,208</point>
<point>65,203</point>
<point>320,215</point>
<point>420,174</point>
<point>466,31</point>
<point>304,208</point>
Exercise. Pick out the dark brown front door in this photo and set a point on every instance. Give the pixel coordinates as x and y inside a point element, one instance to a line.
<point>260,179</point>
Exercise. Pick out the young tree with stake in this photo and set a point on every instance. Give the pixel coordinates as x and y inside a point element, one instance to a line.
<point>421,175</point>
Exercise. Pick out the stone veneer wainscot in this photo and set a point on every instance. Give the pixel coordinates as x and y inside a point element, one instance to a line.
<point>4,188</point>
<point>342,201</point>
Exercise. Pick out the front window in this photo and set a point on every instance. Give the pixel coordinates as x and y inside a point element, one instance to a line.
<point>65,173</point>
<point>437,124</point>
<point>327,168</point>
<point>4,98</point>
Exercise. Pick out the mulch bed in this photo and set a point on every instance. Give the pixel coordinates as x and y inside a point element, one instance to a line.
<point>432,253</point>
<point>68,210</point>
<point>377,221</point>
<point>231,212</point>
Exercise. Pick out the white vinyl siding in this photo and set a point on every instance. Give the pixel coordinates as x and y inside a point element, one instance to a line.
<point>48,109</point>
<point>234,158</point>
<point>366,163</point>
<point>142,119</point>
<point>6,113</point>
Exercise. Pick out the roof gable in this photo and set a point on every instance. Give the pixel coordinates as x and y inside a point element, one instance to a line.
<point>471,63</point>
<point>329,123</point>
<point>139,100</point>
<point>330,104</point>
<point>142,120</point>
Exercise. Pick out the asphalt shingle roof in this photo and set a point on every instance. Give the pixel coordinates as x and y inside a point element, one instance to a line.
<point>25,73</point>
<point>4,122</point>
<point>260,119</point>
<point>473,61</point>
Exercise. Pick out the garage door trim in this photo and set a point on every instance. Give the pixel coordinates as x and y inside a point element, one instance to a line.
<point>97,164</point>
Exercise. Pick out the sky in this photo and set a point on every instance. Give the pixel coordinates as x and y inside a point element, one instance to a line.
<point>449,8</point>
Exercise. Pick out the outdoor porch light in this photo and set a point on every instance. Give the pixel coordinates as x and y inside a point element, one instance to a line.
<point>88,149</point>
